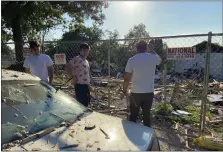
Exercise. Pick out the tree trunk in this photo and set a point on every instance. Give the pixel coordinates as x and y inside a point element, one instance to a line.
<point>17,37</point>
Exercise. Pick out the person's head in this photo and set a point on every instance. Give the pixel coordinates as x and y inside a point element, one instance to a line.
<point>84,50</point>
<point>34,47</point>
<point>142,46</point>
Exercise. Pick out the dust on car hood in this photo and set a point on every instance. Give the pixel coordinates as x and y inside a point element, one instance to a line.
<point>109,133</point>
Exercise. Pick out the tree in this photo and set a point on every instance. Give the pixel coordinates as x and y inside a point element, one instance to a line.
<point>24,19</point>
<point>136,33</point>
<point>77,34</point>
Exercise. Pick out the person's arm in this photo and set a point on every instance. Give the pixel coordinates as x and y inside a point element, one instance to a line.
<point>158,58</point>
<point>70,69</point>
<point>26,66</point>
<point>50,69</point>
<point>127,76</point>
<point>50,73</point>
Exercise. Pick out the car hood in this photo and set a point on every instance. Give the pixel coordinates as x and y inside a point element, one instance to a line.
<point>123,135</point>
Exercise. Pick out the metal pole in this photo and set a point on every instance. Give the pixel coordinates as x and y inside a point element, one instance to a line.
<point>164,80</point>
<point>164,76</point>
<point>109,62</point>
<point>109,76</point>
<point>206,80</point>
<point>43,36</point>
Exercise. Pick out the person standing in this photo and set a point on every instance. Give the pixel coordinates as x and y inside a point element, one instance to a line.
<point>140,69</point>
<point>39,64</point>
<point>79,69</point>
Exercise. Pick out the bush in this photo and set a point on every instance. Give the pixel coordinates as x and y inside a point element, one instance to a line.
<point>163,109</point>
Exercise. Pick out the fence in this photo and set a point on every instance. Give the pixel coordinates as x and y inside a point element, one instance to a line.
<point>182,82</point>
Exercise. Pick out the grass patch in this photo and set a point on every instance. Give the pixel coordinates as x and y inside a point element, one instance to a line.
<point>165,109</point>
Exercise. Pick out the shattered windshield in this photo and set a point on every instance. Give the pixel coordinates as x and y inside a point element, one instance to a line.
<point>30,106</point>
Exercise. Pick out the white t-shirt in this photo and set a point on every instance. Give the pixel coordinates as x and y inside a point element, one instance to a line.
<point>38,65</point>
<point>143,66</point>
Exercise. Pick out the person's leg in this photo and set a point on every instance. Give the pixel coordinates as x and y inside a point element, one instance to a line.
<point>134,107</point>
<point>146,107</point>
<point>86,95</point>
<point>79,91</point>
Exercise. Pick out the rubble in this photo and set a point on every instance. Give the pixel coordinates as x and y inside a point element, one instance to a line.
<point>215,98</point>
<point>180,112</point>
<point>89,126</point>
<point>69,146</point>
<point>179,95</point>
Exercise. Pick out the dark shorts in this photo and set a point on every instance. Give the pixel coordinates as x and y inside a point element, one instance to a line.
<point>82,92</point>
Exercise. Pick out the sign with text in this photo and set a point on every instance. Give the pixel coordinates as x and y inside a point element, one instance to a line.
<point>184,53</point>
<point>60,59</point>
<point>26,52</point>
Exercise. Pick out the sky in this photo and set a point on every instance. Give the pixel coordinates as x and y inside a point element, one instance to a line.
<point>161,18</point>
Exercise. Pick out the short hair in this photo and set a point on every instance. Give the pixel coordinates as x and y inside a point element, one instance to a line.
<point>142,46</point>
<point>33,44</point>
<point>84,46</point>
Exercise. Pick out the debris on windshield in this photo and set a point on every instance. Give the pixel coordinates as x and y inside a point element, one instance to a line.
<point>8,123</point>
<point>69,146</point>
<point>89,145</point>
<point>8,145</point>
<point>38,135</point>
<point>18,134</point>
<point>106,135</point>
<point>36,149</point>
<point>70,134</point>
<point>63,124</point>
<point>15,76</point>
<point>21,127</point>
<point>40,113</point>
<point>89,126</point>
<point>27,85</point>
<point>98,149</point>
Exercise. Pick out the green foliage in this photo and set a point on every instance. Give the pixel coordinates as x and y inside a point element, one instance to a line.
<point>189,119</point>
<point>164,109</point>
<point>137,32</point>
<point>24,19</point>
<point>195,117</point>
<point>78,34</point>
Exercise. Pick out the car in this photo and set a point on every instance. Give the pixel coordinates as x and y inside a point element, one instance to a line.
<point>38,116</point>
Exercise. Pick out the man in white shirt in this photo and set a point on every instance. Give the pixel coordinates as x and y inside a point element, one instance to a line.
<point>141,70</point>
<point>39,64</point>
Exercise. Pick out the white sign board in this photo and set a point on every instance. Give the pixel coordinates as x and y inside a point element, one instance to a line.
<point>184,53</point>
<point>26,52</point>
<point>60,59</point>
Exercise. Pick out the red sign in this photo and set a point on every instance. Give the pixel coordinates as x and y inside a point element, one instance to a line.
<point>26,52</point>
<point>60,59</point>
<point>184,53</point>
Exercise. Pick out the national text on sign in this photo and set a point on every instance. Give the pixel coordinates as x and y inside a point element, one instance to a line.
<point>181,53</point>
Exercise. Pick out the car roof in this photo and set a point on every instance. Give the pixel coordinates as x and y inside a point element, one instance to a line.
<point>8,75</point>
